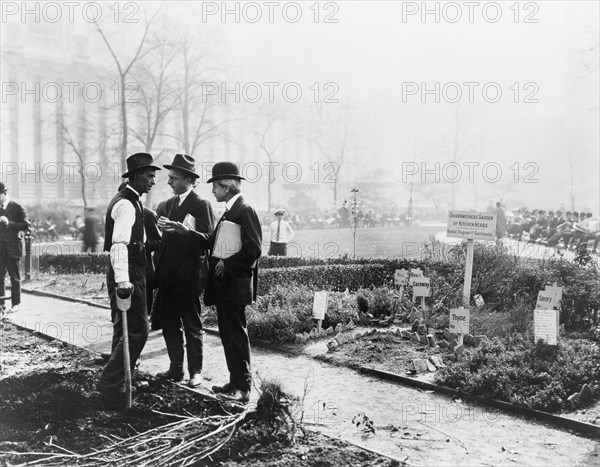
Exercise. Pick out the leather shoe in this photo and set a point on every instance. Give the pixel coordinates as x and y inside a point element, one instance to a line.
<point>195,380</point>
<point>236,395</point>
<point>14,309</point>
<point>170,376</point>
<point>227,387</point>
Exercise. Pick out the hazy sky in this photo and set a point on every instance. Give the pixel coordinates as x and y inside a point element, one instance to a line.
<point>377,49</point>
<point>381,58</point>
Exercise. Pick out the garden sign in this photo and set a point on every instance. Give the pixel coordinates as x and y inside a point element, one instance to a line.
<point>471,225</point>
<point>320,307</point>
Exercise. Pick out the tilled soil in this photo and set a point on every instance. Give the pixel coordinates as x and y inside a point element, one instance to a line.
<point>48,405</point>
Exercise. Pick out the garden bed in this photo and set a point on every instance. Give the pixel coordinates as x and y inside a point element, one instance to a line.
<point>49,407</point>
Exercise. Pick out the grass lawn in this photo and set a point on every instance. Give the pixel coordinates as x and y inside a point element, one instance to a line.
<point>370,242</point>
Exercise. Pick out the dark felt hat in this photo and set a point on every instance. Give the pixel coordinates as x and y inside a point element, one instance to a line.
<point>185,164</point>
<point>2,187</point>
<point>225,170</point>
<point>138,161</point>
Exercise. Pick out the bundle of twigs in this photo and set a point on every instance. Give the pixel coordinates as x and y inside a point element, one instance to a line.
<point>179,443</point>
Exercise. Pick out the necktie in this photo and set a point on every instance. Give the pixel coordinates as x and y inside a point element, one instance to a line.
<point>278,230</point>
<point>175,207</point>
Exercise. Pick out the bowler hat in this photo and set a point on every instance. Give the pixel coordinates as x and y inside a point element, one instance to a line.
<point>224,170</point>
<point>185,164</point>
<point>138,161</point>
<point>2,187</point>
<point>280,211</point>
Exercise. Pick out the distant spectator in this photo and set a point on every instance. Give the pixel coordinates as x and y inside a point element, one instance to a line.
<point>90,234</point>
<point>501,227</point>
<point>280,234</point>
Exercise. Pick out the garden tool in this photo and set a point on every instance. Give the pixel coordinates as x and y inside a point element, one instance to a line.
<point>123,304</point>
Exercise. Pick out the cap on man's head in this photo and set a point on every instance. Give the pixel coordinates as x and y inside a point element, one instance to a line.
<point>2,188</point>
<point>280,212</point>
<point>225,170</point>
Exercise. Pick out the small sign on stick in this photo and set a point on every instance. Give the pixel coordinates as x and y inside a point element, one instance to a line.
<point>421,287</point>
<point>545,326</point>
<point>459,320</point>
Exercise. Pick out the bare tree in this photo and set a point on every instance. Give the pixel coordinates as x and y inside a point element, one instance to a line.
<point>157,98</point>
<point>270,146</point>
<point>196,66</point>
<point>458,147</point>
<point>83,151</point>
<point>335,134</point>
<point>124,68</point>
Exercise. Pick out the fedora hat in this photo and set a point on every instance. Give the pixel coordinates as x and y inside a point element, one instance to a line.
<point>185,164</point>
<point>224,170</point>
<point>138,161</point>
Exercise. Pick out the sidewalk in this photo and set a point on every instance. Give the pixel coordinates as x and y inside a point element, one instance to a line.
<point>421,427</point>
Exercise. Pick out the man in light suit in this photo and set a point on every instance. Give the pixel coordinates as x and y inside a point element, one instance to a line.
<point>13,221</point>
<point>231,283</point>
<point>178,271</point>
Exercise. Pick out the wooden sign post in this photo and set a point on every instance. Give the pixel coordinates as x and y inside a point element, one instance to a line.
<point>460,322</point>
<point>401,279</point>
<point>319,308</point>
<point>414,274</point>
<point>422,288</point>
<point>470,225</point>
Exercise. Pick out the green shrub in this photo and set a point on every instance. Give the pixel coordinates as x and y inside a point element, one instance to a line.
<point>287,310</point>
<point>515,370</point>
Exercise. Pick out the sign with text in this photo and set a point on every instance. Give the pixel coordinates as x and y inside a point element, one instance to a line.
<point>478,300</point>
<point>471,225</point>
<point>400,277</point>
<point>459,320</point>
<point>421,287</point>
<point>545,300</point>
<point>414,273</point>
<point>557,291</point>
<point>545,326</point>
<point>320,304</point>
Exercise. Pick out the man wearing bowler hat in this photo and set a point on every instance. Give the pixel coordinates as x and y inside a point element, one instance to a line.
<point>13,221</point>
<point>124,239</point>
<point>235,248</point>
<point>179,271</point>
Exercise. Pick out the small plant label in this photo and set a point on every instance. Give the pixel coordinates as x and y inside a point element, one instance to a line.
<point>545,326</point>
<point>545,300</point>
<point>421,287</point>
<point>459,320</point>
<point>320,304</point>
<point>557,291</point>
<point>478,300</point>
<point>414,273</point>
<point>400,277</point>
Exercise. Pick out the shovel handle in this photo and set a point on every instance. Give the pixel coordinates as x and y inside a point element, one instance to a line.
<point>126,360</point>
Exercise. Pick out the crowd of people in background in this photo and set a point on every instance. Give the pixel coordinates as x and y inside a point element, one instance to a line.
<point>558,229</point>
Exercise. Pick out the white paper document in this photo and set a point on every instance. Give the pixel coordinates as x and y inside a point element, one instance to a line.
<point>228,241</point>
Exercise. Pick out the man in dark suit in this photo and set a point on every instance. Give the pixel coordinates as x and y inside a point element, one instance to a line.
<point>178,271</point>
<point>13,221</point>
<point>232,275</point>
<point>124,238</point>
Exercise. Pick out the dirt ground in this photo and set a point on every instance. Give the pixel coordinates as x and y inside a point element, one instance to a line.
<point>48,405</point>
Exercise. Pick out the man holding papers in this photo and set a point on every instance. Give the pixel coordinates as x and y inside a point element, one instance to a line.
<point>178,270</point>
<point>236,247</point>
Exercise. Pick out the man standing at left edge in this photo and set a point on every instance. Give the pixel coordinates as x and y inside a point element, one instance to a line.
<point>124,239</point>
<point>13,220</point>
